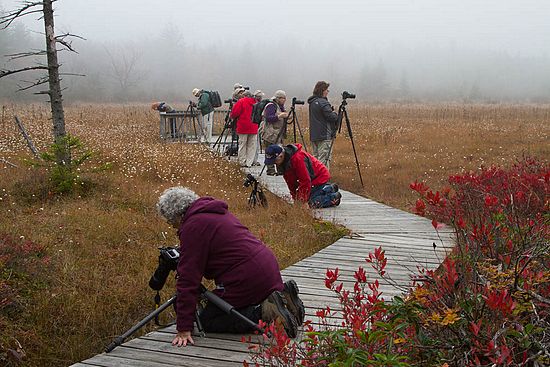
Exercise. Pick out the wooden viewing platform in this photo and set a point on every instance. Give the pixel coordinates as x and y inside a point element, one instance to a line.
<point>407,239</point>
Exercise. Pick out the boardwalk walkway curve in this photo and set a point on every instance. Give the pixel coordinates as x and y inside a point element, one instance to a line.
<point>407,239</point>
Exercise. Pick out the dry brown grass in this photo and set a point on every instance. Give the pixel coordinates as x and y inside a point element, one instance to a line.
<point>397,144</point>
<point>104,244</point>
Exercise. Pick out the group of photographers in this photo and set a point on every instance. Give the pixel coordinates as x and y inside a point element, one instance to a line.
<point>307,175</point>
<point>214,244</point>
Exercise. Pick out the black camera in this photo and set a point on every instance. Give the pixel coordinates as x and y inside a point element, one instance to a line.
<point>246,88</point>
<point>168,261</point>
<point>296,101</point>
<point>249,180</point>
<point>346,95</point>
<point>230,101</point>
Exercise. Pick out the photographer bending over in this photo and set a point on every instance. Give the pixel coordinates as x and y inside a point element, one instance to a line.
<point>306,177</point>
<point>215,245</point>
<point>323,123</point>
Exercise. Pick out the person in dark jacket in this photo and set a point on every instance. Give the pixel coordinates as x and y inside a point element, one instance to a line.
<point>323,123</point>
<point>215,245</point>
<point>207,113</point>
<point>306,177</point>
<point>246,129</point>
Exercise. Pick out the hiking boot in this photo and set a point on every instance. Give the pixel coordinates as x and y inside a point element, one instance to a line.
<point>336,199</point>
<point>335,187</point>
<point>274,309</point>
<point>293,303</point>
<point>271,170</point>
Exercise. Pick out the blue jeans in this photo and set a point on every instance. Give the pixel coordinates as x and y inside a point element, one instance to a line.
<point>322,196</point>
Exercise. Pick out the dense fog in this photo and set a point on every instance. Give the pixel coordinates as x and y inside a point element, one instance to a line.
<point>395,51</point>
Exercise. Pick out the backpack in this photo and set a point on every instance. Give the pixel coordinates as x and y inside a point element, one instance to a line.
<point>258,109</point>
<point>215,99</point>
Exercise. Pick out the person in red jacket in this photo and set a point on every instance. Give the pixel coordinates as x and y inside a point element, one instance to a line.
<point>246,129</point>
<point>214,244</point>
<point>306,177</point>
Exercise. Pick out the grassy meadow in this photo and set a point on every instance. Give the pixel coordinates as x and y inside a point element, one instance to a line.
<point>397,144</point>
<point>98,247</point>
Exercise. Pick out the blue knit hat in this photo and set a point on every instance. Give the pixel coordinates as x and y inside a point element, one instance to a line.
<point>271,153</point>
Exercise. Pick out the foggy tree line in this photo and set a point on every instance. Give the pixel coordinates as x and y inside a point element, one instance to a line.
<point>167,66</point>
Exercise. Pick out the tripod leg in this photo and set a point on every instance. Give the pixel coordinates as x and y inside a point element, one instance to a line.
<point>348,125</point>
<point>119,340</point>
<point>300,131</point>
<point>218,141</point>
<point>294,125</point>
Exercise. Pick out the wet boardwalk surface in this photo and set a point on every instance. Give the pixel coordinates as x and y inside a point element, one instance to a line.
<point>407,239</point>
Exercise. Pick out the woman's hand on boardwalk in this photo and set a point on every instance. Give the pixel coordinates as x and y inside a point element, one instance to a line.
<point>183,338</point>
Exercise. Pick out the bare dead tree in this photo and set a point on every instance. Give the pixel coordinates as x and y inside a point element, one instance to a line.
<point>125,67</point>
<point>53,80</point>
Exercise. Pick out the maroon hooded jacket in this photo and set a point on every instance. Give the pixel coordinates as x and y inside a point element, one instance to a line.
<point>302,171</point>
<point>216,245</point>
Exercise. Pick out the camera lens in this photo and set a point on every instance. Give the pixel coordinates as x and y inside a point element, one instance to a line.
<point>158,279</point>
<point>346,94</point>
<point>297,101</point>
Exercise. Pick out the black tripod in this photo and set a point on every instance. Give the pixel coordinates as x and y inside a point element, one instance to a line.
<point>257,195</point>
<point>343,113</point>
<point>211,297</point>
<point>292,119</point>
<point>229,123</point>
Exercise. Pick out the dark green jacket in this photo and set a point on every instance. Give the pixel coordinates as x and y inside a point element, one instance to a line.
<point>204,103</point>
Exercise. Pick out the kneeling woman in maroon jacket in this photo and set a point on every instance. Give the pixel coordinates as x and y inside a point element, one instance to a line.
<point>214,244</point>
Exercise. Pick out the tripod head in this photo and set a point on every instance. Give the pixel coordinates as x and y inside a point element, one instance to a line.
<point>345,96</point>
<point>296,101</point>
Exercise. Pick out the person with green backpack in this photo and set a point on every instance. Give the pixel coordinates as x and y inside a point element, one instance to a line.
<point>204,104</point>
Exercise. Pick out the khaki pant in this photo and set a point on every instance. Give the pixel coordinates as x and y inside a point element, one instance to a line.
<point>247,149</point>
<point>206,127</point>
<point>322,150</point>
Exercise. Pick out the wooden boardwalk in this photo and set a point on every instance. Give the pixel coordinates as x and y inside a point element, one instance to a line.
<point>407,239</point>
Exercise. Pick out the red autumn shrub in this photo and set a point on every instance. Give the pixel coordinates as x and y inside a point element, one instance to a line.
<point>486,305</point>
<point>23,268</point>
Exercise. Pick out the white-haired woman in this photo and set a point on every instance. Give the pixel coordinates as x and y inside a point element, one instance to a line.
<point>215,245</point>
<point>273,124</point>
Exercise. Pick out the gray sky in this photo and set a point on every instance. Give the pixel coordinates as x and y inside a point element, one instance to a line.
<point>381,49</point>
<point>515,26</point>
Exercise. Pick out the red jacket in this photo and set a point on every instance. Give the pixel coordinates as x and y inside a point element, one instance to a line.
<point>214,244</point>
<point>302,171</point>
<point>242,111</point>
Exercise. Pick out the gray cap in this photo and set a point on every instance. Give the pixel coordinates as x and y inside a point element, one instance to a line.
<point>280,93</point>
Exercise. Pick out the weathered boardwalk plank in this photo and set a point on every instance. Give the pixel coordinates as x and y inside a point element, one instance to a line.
<point>408,240</point>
